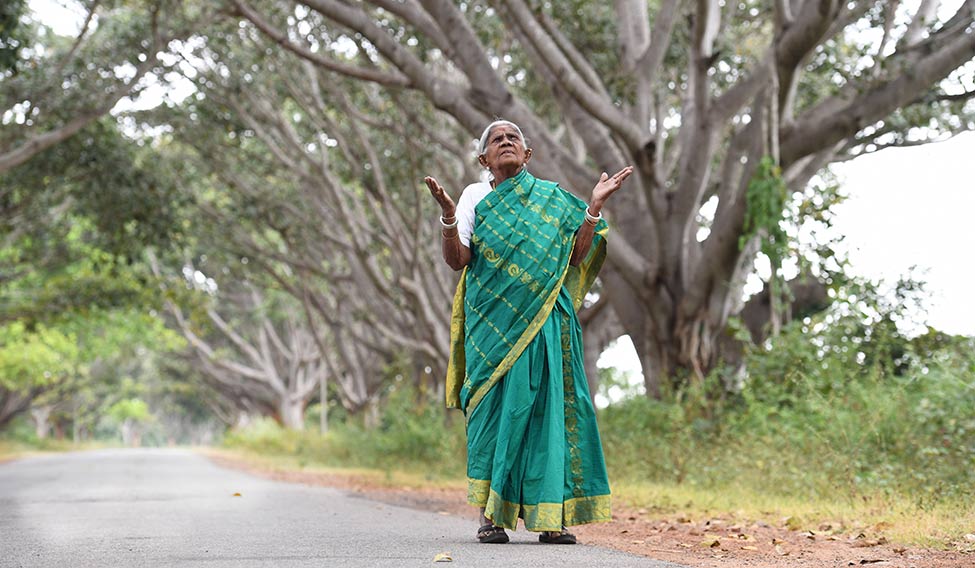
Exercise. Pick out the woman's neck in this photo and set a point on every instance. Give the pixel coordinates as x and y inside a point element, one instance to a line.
<point>501,175</point>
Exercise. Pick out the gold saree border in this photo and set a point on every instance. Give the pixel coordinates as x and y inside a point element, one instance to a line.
<point>478,491</point>
<point>457,364</point>
<point>540,517</point>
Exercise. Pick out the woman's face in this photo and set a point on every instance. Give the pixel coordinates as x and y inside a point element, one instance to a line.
<point>504,151</point>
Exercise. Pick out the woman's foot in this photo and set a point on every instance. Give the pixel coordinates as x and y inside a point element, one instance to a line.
<point>491,534</point>
<point>557,537</point>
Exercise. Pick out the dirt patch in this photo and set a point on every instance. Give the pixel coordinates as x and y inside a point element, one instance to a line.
<point>719,542</point>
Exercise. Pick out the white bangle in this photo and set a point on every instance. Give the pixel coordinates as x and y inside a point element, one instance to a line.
<point>449,225</point>
<point>593,219</point>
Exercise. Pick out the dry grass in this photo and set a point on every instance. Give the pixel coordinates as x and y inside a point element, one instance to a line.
<point>897,519</point>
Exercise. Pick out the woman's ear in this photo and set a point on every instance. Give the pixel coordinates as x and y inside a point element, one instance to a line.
<point>481,160</point>
<point>528,154</point>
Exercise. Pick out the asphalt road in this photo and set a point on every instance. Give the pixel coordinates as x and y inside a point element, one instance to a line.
<point>175,508</point>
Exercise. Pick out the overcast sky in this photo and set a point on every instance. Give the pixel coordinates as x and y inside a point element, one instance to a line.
<point>914,207</point>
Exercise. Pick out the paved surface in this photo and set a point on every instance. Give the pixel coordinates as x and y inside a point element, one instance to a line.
<point>175,508</point>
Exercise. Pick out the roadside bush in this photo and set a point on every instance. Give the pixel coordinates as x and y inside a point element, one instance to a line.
<point>411,436</point>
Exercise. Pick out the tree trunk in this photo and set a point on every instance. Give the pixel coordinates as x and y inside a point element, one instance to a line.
<point>292,412</point>
<point>323,403</point>
<point>12,403</point>
<point>42,420</point>
<point>371,416</point>
<point>128,431</point>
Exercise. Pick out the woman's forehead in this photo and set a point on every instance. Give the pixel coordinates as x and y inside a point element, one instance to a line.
<point>503,127</point>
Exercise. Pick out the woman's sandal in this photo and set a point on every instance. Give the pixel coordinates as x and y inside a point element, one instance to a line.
<point>560,537</point>
<point>491,534</point>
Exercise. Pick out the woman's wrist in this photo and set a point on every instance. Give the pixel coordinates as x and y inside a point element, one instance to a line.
<point>595,206</point>
<point>593,216</point>
<point>448,221</point>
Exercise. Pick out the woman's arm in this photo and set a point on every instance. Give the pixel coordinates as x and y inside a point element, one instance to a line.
<point>455,253</point>
<point>583,243</point>
<point>605,187</point>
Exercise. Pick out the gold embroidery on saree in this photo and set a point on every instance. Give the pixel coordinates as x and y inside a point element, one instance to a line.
<point>571,414</point>
<point>543,516</point>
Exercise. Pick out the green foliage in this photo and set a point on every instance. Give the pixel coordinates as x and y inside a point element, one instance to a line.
<point>410,437</point>
<point>132,409</point>
<point>766,197</point>
<point>37,357</point>
<point>905,437</point>
<point>841,404</point>
<point>12,35</point>
<point>862,335</point>
<point>121,189</point>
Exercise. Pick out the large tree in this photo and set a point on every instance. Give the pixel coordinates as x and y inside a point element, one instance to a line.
<point>707,99</point>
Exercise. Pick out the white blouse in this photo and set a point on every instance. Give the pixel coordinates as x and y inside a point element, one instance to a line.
<point>473,194</point>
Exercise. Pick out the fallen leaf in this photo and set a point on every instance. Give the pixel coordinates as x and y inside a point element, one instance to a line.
<point>237,495</point>
<point>871,560</point>
<point>443,557</point>
<point>637,542</point>
<point>869,542</point>
<point>748,547</point>
<point>900,550</point>
<point>777,541</point>
<point>711,543</point>
<point>624,531</point>
<point>781,551</point>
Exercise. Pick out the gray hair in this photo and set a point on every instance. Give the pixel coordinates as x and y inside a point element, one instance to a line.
<point>482,145</point>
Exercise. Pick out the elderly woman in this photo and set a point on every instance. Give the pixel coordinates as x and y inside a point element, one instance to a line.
<point>530,251</point>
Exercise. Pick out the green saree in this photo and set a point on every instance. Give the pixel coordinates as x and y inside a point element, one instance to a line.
<point>516,365</point>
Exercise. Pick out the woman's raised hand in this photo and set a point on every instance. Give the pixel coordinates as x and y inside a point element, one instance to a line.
<point>446,203</point>
<point>607,186</point>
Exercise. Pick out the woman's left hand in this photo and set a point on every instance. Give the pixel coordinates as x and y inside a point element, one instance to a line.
<point>606,186</point>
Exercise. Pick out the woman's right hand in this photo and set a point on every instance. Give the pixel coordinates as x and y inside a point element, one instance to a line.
<point>446,203</point>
